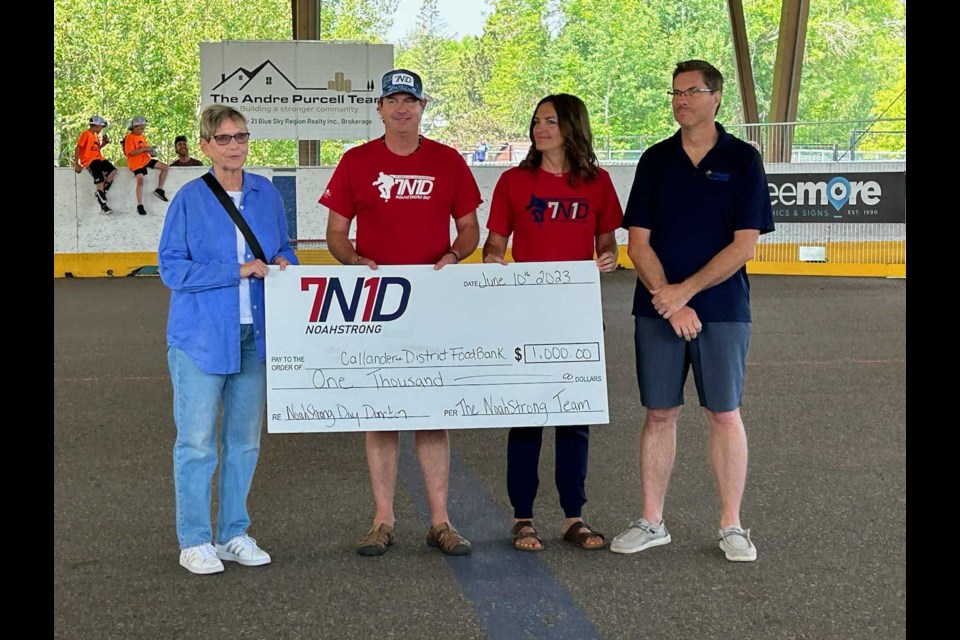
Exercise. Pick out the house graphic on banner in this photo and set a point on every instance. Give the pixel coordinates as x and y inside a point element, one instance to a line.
<point>297,90</point>
<point>268,77</point>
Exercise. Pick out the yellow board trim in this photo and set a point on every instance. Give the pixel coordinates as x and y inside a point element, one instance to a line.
<point>103,265</point>
<point>840,263</point>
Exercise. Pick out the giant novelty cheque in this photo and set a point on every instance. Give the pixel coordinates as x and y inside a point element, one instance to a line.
<point>468,346</point>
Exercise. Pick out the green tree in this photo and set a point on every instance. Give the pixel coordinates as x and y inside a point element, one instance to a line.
<point>890,110</point>
<point>852,49</point>
<point>121,58</point>
<point>614,65</point>
<point>454,114</point>
<point>515,43</point>
<point>364,20</point>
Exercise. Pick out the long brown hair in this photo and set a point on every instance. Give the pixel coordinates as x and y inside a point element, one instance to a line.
<point>574,122</point>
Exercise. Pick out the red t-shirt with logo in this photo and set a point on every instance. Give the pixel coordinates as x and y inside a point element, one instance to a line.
<point>549,219</point>
<point>403,204</point>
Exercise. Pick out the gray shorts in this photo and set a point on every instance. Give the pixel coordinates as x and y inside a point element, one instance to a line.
<point>718,355</point>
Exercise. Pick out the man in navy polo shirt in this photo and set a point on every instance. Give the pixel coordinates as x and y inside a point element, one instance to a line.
<point>698,204</point>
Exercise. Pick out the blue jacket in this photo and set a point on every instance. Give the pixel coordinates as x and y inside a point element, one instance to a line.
<point>198,262</point>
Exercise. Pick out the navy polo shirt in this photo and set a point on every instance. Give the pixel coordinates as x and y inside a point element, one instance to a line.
<point>692,213</point>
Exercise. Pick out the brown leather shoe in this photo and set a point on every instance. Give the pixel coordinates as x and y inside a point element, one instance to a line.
<point>446,538</point>
<point>376,541</point>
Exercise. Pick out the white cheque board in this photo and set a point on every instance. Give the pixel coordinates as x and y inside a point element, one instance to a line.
<point>468,346</point>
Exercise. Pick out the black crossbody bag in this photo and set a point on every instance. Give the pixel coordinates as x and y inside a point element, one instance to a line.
<point>231,208</point>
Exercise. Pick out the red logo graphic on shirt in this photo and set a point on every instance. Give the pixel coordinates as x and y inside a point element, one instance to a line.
<point>377,292</point>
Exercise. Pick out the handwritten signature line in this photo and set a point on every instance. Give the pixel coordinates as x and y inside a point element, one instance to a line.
<point>351,418</point>
<point>505,375</point>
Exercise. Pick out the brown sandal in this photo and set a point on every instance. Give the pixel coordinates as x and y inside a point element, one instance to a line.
<point>580,538</point>
<point>446,538</point>
<point>376,541</point>
<point>519,535</point>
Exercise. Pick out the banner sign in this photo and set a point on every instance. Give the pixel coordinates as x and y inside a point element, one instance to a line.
<point>838,197</point>
<point>298,90</point>
<point>468,346</point>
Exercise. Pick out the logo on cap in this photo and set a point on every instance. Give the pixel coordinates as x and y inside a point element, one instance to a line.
<point>402,81</point>
<point>403,78</point>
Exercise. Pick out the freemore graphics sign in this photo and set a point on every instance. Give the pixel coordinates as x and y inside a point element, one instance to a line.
<point>839,197</point>
<point>297,90</point>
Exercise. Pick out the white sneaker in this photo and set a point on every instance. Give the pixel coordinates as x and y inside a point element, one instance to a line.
<point>736,544</point>
<point>201,559</point>
<point>244,550</point>
<point>640,535</point>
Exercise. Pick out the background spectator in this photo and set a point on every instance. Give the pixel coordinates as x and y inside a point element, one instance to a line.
<point>183,154</point>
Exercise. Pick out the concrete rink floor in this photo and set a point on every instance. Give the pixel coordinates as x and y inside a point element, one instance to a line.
<point>825,412</point>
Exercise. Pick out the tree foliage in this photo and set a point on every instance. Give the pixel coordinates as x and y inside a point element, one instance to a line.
<point>121,58</point>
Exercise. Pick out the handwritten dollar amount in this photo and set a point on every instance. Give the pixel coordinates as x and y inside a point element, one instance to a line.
<point>566,352</point>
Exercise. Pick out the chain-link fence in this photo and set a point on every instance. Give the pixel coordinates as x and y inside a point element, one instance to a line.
<point>819,141</point>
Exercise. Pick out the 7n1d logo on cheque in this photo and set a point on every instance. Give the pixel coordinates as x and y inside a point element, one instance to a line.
<point>377,292</point>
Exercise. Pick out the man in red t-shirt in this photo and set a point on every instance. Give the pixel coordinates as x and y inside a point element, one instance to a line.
<point>88,156</point>
<point>403,189</point>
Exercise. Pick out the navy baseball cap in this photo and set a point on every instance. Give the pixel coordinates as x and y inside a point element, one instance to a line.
<point>402,81</point>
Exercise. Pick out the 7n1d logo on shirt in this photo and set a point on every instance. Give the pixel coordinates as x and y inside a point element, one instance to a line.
<point>572,209</point>
<point>404,187</point>
<point>414,187</point>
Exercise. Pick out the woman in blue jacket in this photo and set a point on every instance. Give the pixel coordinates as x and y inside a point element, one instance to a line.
<point>216,347</point>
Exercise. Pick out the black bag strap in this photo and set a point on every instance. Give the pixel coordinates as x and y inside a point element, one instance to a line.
<point>231,208</point>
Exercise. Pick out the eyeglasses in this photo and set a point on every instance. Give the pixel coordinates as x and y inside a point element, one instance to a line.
<point>223,139</point>
<point>689,93</point>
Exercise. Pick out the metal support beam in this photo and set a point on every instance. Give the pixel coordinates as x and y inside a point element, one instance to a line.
<point>306,26</point>
<point>786,77</point>
<point>741,50</point>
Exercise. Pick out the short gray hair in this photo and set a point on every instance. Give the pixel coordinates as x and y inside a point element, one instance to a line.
<point>214,115</point>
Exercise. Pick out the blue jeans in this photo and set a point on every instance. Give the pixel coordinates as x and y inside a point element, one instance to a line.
<point>197,397</point>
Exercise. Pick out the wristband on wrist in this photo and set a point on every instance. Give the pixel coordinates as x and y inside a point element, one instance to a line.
<point>454,254</point>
